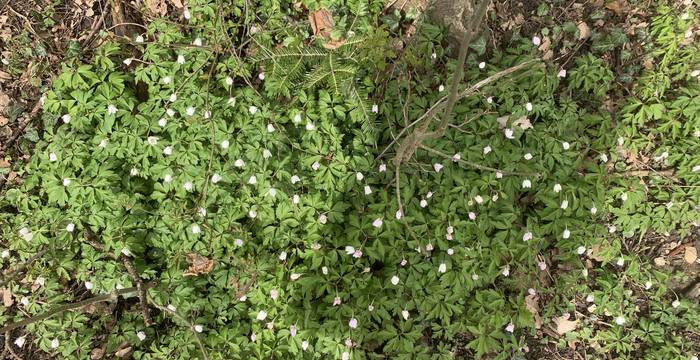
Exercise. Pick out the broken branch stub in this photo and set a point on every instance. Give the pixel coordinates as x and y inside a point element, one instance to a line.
<point>456,15</point>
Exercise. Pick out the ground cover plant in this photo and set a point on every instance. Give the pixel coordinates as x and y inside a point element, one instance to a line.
<point>342,179</point>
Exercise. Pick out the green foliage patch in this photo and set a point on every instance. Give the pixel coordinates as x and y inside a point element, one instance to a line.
<point>265,169</point>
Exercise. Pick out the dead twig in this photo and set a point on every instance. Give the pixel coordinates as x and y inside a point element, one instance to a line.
<point>95,26</point>
<point>14,273</point>
<point>189,324</point>
<point>667,174</point>
<point>8,348</point>
<point>467,92</point>
<point>90,239</point>
<point>477,166</point>
<point>397,178</point>
<point>72,306</point>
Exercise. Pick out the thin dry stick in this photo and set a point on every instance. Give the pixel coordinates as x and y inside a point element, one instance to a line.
<point>468,92</point>
<point>477,166</point>
<point>397,179</point>
<point>89,238</point>
<point>414,140</point>
<point>141,289</point>
<point>72,306</point>
<point>9,348</point>
<point>189,324</point>
<point>13,274</point>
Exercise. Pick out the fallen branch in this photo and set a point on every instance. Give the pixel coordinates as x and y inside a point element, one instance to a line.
<point>467,92</point>
<point>89,238</point>
<point>8,348</point>
<point>72,306</point>
<point>668,174</point>
<point>13,274</point>
<point>189,324</point>
<point>477,166</point>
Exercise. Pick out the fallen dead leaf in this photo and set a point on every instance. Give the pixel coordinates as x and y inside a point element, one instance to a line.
<point>545,48</point>
<point>35,286</point>
<point>322,24</point>
<point>198,265</point>
<point>548,55</point>
<point>157,7</point>
<point>519,19</point>
<point>177,3</point>
<point>334,44</point>
<point>594,253</point>
<point>660,261</point>
<point>4,100</point>
<point>123,352</point>
<point>546,44</point>
<point>5,32</point>
<point>299,5</point>
<point>619,7</point>
<point>564,325</point>
<point>532,305</point>
<point>97,354</point>
<point>4,163</point>
<point>523,122</point>
<point>691,254</point>
<point>584,30</point>
<point>503,121</point>
<point>7,299</point>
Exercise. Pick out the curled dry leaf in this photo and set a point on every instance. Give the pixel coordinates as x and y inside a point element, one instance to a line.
<point>4,77</point>
<point>322,24</point>
<point>124,352</point>
<point>532,305</point>
<point>97,354</point>
<point>691,254</point>
<point>619,7</point>
<point>7,299</point>
<point>583,30</point>
<point>334,44</point>
<point>523,122</point>
<point>157,7</point>
<point>564,325</point>
<point>198,265</point>
<point>660,261</point>
<point>5,33</point>
<point>545,45</point>
<point>503,121</point>
<point>4,100</point>
<point>594,253</point>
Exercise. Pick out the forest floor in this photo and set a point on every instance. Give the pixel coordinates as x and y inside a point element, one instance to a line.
<point>37,36</point>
